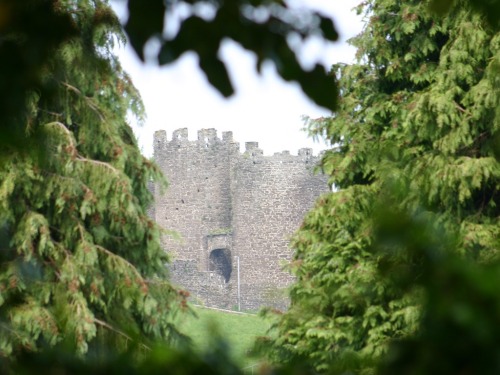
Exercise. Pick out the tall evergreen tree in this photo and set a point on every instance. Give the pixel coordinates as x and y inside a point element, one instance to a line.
<point>417,130</point>
<point>81,262</point>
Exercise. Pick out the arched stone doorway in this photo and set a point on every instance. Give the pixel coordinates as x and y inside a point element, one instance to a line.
<point>219,261</point>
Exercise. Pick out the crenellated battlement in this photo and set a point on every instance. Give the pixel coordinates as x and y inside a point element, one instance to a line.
<point>208,138</point>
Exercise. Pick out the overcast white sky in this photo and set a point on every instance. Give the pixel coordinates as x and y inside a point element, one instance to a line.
<point>264,108</point>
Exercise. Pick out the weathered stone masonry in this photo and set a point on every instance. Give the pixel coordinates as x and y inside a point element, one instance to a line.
<point>225,205</point>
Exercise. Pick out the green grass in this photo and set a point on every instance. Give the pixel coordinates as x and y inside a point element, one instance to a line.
<point>239,330</point>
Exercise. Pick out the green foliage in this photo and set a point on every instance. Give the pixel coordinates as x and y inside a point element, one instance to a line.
<point>490,9</point>
<point>161,360</point>
<point>24,52</point>
<point>81,261</point>
<point>460,322</point>
<point>260,26</point>
<point>416,130</point>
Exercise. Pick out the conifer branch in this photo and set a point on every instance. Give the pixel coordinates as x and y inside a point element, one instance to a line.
<point>72,88</point>
<point>72,179</point>
<point>89,101</point>
<point>63,127</point>
<point>52,113</point>
<point>111,254</point>
<point>119,258</point>
<point>111,328</point>
<point>12,331</point>
<point>98,162</point>
<point>459,107</point>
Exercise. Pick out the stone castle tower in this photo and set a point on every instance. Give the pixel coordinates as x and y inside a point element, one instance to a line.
<point>234,213</point>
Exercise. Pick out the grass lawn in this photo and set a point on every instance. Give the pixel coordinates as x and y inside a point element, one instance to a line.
<point>239,330</point>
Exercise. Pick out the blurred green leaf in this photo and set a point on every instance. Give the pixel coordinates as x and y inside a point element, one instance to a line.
<point>145,21</point>
<point>266,39</point>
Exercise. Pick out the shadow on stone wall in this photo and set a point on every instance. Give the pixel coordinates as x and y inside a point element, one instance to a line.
<point>208,288</point>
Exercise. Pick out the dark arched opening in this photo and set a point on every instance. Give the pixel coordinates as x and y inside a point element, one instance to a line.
<point>220,262</point>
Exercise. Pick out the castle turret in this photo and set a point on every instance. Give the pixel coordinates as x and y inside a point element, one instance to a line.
<point>226,206</point>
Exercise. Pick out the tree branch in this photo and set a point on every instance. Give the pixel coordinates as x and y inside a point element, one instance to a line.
<point>66,130</point>
<point>114,256</point>
<point>89,101</point>
<point>460,108</point>
<point>110,327</point>
<point>98,162</point>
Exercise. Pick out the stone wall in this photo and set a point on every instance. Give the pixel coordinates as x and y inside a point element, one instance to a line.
<point>206,287</point>
<point>229,206</point>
